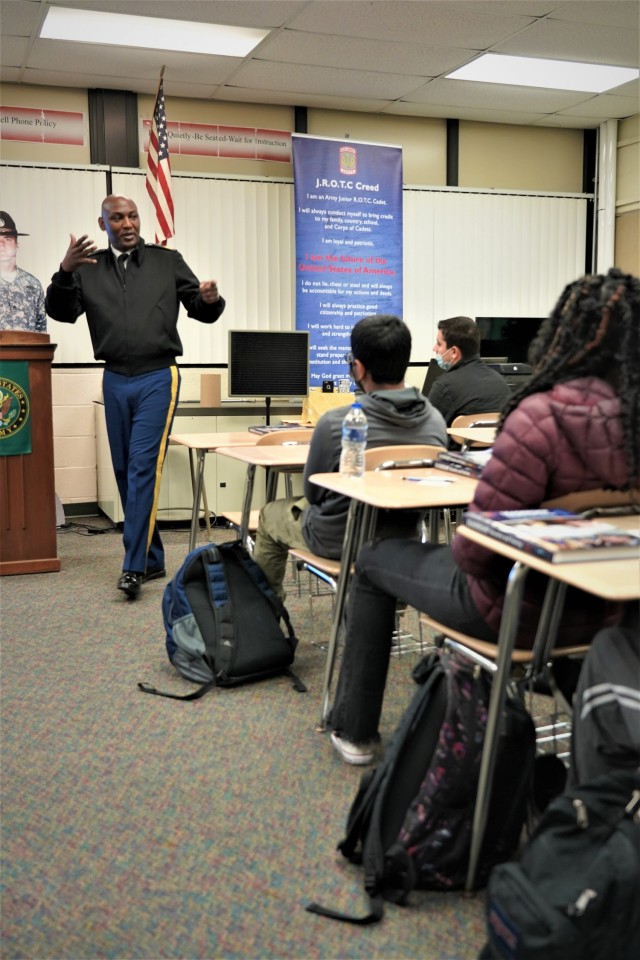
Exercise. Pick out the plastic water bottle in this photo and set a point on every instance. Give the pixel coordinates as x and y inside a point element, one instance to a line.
<point>354,441</point>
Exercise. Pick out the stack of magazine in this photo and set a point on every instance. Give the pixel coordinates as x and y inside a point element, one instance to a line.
<point>469,463</point>
<point>558,535</point>
<point>262,428</point>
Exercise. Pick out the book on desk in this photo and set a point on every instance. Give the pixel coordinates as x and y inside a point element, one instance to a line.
<point>557,536</point>
<point>469,464</point>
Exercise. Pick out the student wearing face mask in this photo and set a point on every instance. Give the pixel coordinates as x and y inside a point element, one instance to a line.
<point>470,386</point>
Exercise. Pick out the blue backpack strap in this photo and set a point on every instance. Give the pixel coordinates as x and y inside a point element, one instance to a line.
<point>244,558</point>
<point>195,695</point>
<point>174,598</point>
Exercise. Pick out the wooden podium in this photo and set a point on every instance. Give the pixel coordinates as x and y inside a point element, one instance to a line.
<point>27,491</point>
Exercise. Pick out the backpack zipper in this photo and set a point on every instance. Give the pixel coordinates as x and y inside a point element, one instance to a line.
<point>582,817</point>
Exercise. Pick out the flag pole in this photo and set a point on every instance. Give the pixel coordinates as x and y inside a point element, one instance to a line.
<point>160,81</point>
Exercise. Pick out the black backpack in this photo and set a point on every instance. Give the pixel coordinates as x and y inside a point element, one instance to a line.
<point>411,821</point>
<point>223,622</point>
<point>606,710</point>
<point>575,892</point>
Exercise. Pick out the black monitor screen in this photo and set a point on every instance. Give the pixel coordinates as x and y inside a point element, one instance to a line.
<point>508,337</point>
<point>268,363</point>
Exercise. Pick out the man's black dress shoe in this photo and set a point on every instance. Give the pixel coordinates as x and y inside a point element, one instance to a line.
<point>153,573</point>
<point>130,583</point>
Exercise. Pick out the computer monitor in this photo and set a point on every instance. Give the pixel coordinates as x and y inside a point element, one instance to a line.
<point>268,363</point>
<point>508,337</point>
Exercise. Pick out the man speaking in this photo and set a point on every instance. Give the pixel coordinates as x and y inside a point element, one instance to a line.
<point>131,293</point>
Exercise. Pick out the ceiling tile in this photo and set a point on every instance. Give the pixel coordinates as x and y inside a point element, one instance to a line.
<point>459,93</point>
<point>604,13</point>
<point>615,108</point>
<point>326,80</point>
<point>13,50</point>
<point>356,54</point>
<point>452,24</point>
<point>566,121</point>
<point>256,95</point>
<point>115,62</point>
<point>587,42</point>
<point>467,113</point>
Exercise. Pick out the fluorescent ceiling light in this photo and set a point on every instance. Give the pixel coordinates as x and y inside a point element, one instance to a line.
<point>123,30</point>
<point>552,74</point>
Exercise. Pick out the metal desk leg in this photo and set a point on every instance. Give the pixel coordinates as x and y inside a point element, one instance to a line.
<point>433,525</point>
<point>246,503</point>
<point>349,548</point>
<point>546,639</point>
<point>205,507</point>
<point>197,493</point>
<point>271,485</point>
<point>192,471</point>
<point>506,643</point>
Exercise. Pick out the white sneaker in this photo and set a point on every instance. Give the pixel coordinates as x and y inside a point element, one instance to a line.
<point>359,754</point>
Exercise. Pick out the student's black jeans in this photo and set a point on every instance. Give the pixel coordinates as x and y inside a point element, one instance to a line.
<point>422,575</point>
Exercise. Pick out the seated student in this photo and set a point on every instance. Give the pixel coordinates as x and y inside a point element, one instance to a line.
<point>470,386</point>
<point>575,425</point>
<point>380,351</point>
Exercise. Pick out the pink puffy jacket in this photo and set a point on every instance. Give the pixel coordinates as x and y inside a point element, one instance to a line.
<point>562,441</point>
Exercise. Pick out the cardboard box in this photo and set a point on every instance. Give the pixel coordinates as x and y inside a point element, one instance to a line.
<point>318,403</point>
<point>210,390</point>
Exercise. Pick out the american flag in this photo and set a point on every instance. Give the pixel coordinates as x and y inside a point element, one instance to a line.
<point>159,171</point>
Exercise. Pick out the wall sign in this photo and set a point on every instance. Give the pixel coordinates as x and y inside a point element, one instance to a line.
<point>15,409</point>
<point>348,220</point>
<point>42,126</point>
<point>212,140</point>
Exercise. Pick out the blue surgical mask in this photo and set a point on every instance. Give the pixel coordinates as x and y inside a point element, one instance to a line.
<point>442,363</point>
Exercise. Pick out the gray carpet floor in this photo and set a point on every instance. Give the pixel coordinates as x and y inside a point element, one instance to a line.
<point>140,827</point>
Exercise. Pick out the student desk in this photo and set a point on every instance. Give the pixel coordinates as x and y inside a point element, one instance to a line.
<point>289,456</point>
<point>617,580</point>
<point>381,490</point>
<point>202,444</point>
<point>469,435</point>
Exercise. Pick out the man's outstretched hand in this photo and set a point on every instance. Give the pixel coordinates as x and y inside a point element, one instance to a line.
<point>79,252</point>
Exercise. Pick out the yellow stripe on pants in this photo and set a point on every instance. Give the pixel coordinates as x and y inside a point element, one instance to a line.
<point>162,452</point>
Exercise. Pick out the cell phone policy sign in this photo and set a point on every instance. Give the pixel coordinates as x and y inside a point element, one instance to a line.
<point>42,126</point>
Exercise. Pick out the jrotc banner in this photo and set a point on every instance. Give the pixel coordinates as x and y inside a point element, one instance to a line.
<point>348,221</point>
<point>15,408</point>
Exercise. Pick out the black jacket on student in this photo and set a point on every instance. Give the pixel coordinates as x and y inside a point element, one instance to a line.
<point>469,387</point>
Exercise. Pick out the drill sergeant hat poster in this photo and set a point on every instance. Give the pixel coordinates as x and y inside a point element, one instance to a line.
<point>15,408</point>
<point>348,222</point>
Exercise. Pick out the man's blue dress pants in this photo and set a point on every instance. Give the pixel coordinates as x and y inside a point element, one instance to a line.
<point>139,412</point>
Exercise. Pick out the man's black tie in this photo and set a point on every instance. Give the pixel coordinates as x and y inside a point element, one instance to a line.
<point>122,265</point>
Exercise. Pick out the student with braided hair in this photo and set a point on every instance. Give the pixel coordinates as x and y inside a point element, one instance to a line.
<point>574,426</point>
